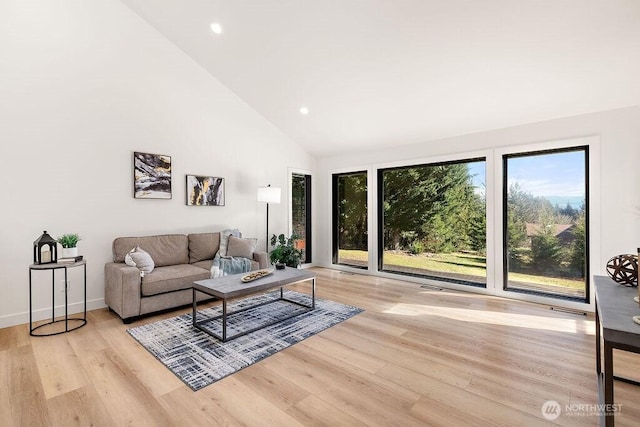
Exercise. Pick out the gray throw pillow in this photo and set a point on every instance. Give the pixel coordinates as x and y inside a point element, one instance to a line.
<point>239,247</point>
<point>224,240</point>
<point>140,259</point>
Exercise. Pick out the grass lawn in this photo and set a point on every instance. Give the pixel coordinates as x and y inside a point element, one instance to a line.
<point>455,263</point>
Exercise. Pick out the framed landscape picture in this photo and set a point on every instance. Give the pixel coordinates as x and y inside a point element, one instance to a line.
<point>151,176</point>
<point>205,191</point>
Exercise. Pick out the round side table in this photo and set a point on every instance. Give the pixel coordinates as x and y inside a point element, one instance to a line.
<point>77,322</point>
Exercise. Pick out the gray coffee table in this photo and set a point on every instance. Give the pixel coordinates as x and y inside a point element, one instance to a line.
<point>231,287</point>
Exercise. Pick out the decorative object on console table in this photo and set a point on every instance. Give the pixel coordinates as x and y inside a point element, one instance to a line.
<point>636,319</point>
<point>205,191</point>
<point>45,249</point>
<point>624,269</point>
<point>285,251</point>
<point>268,194</point>
<point>151,176</point>
<point>69,244</point>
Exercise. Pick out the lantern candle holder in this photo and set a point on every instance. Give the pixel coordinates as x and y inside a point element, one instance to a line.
<point>45,249</point>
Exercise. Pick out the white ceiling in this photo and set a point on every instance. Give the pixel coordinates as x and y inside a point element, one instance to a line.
<point>381,73</point>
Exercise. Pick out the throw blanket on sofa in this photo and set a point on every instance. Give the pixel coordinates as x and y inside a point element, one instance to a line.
<point>224,265</point>
<point>230,265</point>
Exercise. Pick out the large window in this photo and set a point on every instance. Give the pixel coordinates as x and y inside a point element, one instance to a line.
<point>301,213</point>
<point>350,235</point>
<point>546,219</point>
<point>432,221</point>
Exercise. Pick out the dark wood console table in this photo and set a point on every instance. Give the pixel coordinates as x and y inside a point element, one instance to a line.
<point>615,308</point>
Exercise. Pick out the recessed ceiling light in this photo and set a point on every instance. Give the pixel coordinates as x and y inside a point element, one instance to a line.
<point>304,110</point>
<point>216,28</point>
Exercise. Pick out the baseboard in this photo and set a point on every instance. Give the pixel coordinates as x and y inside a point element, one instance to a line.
<point>309,265</point>
<point>45,313</point>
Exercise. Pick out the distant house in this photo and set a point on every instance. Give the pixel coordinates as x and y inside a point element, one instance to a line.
<point>564,232</point>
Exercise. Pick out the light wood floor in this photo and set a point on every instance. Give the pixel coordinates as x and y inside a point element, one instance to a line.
<point>414,357</point>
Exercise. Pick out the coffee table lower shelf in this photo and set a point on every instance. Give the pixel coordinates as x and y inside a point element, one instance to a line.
<point>210,288</point>
<point>226,314</point>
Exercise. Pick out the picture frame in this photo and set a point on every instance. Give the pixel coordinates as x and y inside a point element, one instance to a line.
<point>205,190</point>
<point>151,176</point>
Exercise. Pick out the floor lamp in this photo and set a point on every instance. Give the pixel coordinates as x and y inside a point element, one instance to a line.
<point>268,195</point>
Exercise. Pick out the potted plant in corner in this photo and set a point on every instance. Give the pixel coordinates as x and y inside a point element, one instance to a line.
<point>284,251</point>
<point>69,244</point>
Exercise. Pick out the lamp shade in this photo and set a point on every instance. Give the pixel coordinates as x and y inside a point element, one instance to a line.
<point>269,194</point>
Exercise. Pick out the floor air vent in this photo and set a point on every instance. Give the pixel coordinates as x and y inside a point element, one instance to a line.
<point>568,310</point>
<point>432,287</point>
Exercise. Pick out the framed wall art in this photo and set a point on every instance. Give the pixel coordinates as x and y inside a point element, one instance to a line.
<point>205,191</point>
<point>151,176</point>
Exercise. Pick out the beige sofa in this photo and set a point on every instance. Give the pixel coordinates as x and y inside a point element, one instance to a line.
<point>179,260</point>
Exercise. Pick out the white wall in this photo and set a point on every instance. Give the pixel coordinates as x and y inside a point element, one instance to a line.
<point>617,154</point>
<point>83,84</point>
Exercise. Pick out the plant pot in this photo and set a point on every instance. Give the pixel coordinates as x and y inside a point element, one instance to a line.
<point>280,266</point>
<point>69,252</point>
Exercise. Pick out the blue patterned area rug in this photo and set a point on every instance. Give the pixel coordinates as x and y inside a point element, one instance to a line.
<point>199,359</point>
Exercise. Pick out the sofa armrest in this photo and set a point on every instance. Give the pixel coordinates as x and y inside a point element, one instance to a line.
<point>262,258</point>
<point>122,289</point>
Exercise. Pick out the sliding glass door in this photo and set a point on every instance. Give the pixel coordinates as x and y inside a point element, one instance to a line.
<point>546,223</point>
<point>350,224</point>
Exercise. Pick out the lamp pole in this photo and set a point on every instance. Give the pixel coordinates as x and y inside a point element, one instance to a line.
<point>266,242</point>
<point>268,194</point>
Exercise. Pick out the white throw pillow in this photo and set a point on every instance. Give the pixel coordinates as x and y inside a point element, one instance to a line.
<point>140,259</point>
<point>128,260</point>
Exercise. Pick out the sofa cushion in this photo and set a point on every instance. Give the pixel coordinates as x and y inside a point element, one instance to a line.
<point>239,247</point>
<point>206,264</point>
<point>203,246</point>
<point>171,278</point>
<point>168,249</point>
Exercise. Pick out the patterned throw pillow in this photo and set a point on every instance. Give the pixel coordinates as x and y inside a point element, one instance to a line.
<point>140,259</point>
<point>239,247</point>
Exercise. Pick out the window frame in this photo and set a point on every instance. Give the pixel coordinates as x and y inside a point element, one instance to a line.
<point>505,189</point>
<point>308,211</point>
<point>380,219</point>
<point>335,217</point>
<point>492,150</point>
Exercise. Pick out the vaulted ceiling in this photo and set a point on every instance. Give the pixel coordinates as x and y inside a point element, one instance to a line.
<point>381,73</point>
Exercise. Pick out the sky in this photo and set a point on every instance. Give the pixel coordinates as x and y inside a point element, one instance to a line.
<point>477,171</point>
<point>555,175</point>
<point>549,175</point>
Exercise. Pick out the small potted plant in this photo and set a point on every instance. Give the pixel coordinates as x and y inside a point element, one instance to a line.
<point>69,244</point>
<point>284,252</point>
